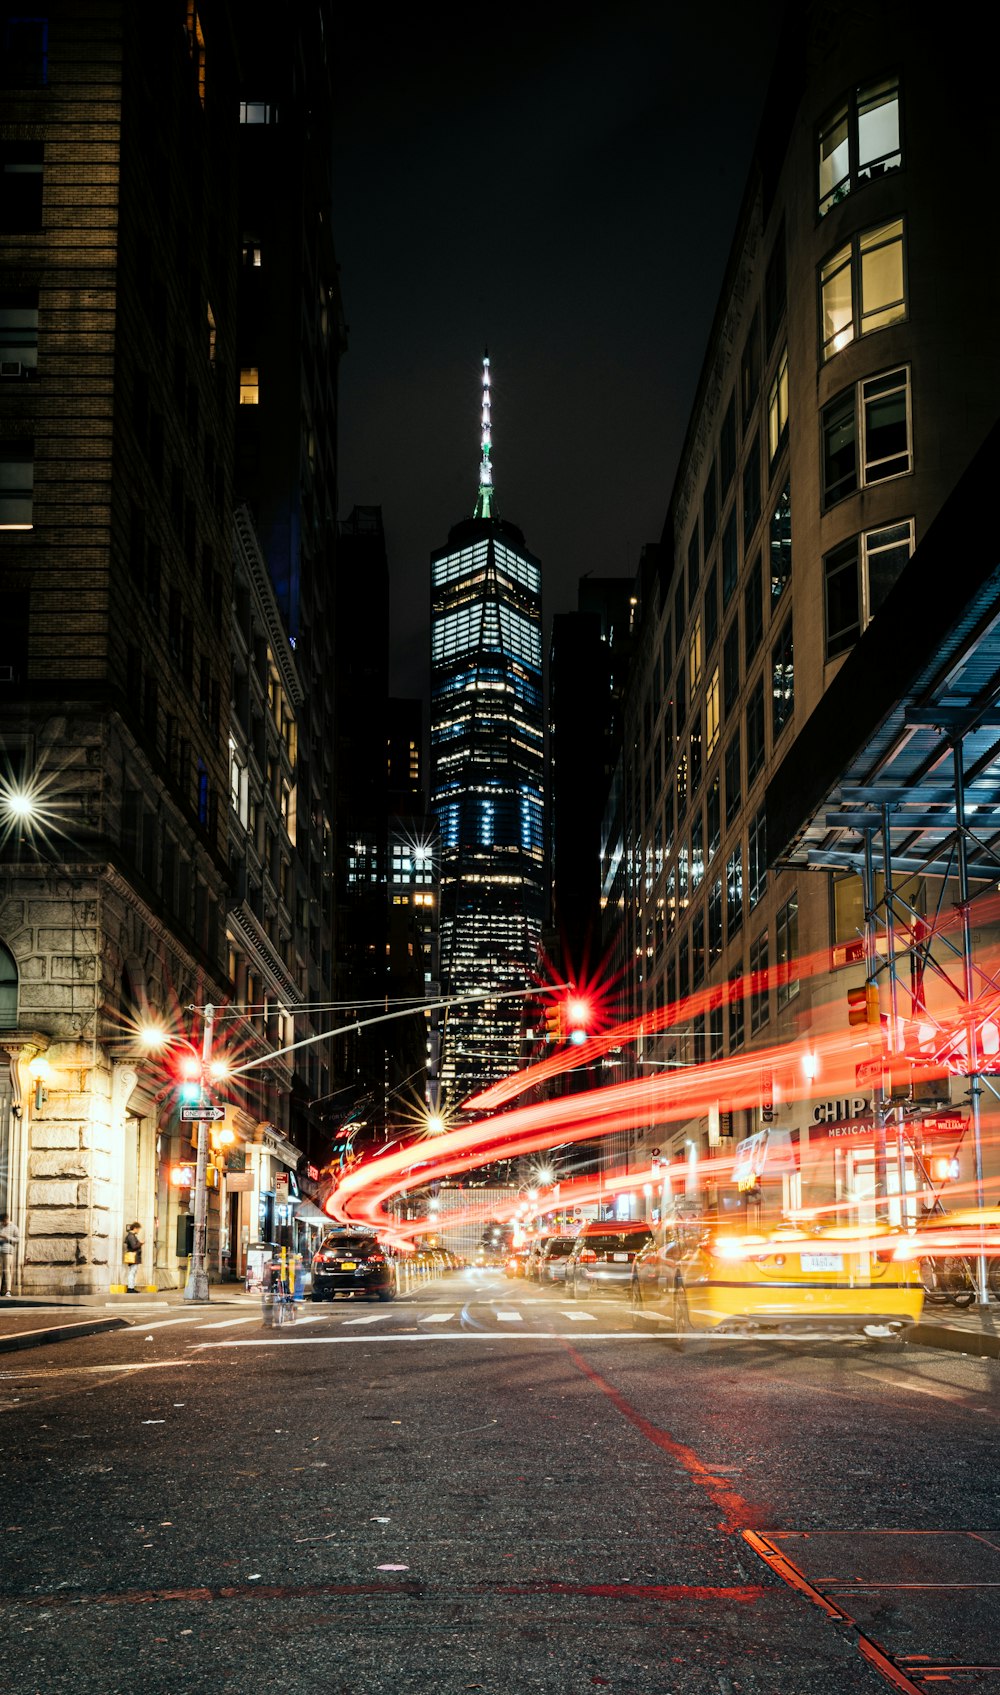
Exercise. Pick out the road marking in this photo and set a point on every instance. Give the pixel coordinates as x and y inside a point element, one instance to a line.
<point>224,1323</point>
<point>367,1318</point>
<point>162,1323</point>
<point>509,1317</point>
<point>413,1336</point>
<point>576,1316</point>
<point>436,1318</point>
<point>901,1382</point>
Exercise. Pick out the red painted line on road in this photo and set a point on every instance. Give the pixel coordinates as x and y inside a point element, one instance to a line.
<point>738,1511</point>
<point>740,1592</point>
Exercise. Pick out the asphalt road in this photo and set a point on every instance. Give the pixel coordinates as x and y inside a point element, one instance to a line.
<point>485,1487</point>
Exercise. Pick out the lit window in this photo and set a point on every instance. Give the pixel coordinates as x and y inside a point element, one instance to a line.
<point>257,112</point>
<point>249,386</point>
<point>859,141</point>
<point>712,715</point>
<point>862,286</point>
<point>777,409</point>
<point>196,48</point>
<point>694,655</point>
<point>782,680</point>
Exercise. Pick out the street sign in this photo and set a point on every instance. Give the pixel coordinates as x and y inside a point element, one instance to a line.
<point>202,1114</point>
<point>869,1071</point>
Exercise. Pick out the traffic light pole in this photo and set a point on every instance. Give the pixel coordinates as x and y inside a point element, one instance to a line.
<point>196,1288</point>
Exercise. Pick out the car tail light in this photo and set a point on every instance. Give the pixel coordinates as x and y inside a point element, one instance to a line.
<point>587,1256</point>
<point>376,1259</point>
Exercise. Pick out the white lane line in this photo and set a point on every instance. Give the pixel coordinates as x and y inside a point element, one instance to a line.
<point>436,1318</point>
<point>288,1341</point>
<point>226,1323</point>
<point>575,1317</point>
<point>163,1323</point>
<point>367,1318</point>
<point>510,1317</point>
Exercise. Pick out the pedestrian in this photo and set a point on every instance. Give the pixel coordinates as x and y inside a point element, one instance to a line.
<point>133,1256</point>
<point>10,1235</point>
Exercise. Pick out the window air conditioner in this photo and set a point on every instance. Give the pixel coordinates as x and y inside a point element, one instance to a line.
<point>7,674</point>
<point>11,368</point>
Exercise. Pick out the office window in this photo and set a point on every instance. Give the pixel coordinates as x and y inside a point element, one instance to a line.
<point>755,730</point>
<point>777,410</point>
<point>694,750</point>
<point>757,857</point>
<point>775,289</point>
<point>862,286</point>
<point>715,922</point>
<point>697,853</point>
<point>18,332</point>
<point>20,186</point>
<point>694,563</point>
<point>683,971</point>
<point>882,404</point>
<point>17,485</point>
<point>730,559</point>
<point>668,821</point>
<point>258,112</point>
<point>196,48</point>
<point>698,949</point>
<point>857,577</point>
<point>760,1005</point>
<point>859,141</point>
<point>737,1008</point>
<point>786,940</point>
<point>681,786</point>
<point>249,386</point>
<point>680,700</point>
<point>750,368</point>
<point>713,717</point>
<point>24,52</point>
<point>694,657</point>
<point>709,510</point>
<point>668,649</point>
<point>711,608</point>
<point>753,611</point>
<point>716,1026</point>
<point>727,448</point>
<point>780,543</point>
<point>751,489</point>
<point>682,876</point>
<point>734,892</point>
<point>713,818</point>
<point>731,665</point>
<point>734,777</point>
<point>782,680</point>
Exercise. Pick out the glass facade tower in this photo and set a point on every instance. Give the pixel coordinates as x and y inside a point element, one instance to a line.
<point>487,738</point>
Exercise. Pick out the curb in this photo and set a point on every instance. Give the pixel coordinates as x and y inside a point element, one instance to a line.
<point>975,1342</point>
<point>17,1340</point>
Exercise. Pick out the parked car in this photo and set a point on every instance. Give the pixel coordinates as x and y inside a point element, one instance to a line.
<point>513,1265</point>
<point>534,1257</point>
<point>552,1265</point>
<point>353,1264</point>
<point>601,1259</point>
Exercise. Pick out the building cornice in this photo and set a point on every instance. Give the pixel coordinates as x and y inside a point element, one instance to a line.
<point>252,939</point>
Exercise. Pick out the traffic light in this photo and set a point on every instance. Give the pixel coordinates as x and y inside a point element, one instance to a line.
<point>189,1072</point>
<point>862,1005</point>
<point>578,1015</point>
<point>555,1026</point>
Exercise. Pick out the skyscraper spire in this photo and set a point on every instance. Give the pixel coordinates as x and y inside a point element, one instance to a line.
<point>484,501</point>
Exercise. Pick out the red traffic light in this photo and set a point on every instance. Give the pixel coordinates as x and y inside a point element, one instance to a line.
<point>578,1018</point>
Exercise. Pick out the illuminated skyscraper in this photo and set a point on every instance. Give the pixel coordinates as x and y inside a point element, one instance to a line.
<point>486,778</point>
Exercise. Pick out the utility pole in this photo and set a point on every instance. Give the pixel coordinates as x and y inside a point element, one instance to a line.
<point>196,1288</point>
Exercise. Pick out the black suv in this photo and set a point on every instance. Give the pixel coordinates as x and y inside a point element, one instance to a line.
<point>353,1264</point>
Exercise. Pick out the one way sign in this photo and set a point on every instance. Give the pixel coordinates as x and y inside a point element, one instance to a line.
<point>202,1114</point>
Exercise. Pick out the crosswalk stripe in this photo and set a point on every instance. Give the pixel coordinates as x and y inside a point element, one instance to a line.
<point>367,1318</point>
<point>576,1316</point>
<point>224,1323</point>
<point>436,1318</point>
<point>510,1317</point>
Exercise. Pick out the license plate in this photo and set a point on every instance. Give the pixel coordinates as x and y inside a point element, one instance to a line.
<point>348,1265</point>
<point>620,1257</point>
<point>822,1262</point>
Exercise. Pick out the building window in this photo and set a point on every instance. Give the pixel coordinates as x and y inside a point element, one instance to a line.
<point>760,1006</point>
<point>730,559</point>
<point>782,680</point>
<point>713,819</point>
<point>737,1009</point>
<point>249,386</point>
<point>734,777</point>
<point>857,577</point>
<point>24,52</point>
<point>750,368</point>
<point>775,290</point>
<point>694,563</point>
<point>727,448</point>
<point>17,485</point>
<point>698,949</point>
<point>780,545</point>
<point>18,332</point>
<point>859,141</point>
<point>715,922</point>
<point>751,489</point>
<point>20,187</point>
<point>734,892</point>
<point>786,933</point>
<point>258,112</point>
<point>697,854</point>
<point>196,48</point>
<point>711,608</point>
<point>713,719</point>
<point>709,509</point>
<point>694,657</point>
<point>731,666</point>
<point>777,410</point>
<point>753,612</point>
<point>694,748</point>
<point>885,448</point>
<point>755,730</point>
<point>862,286</point>
<point>757,857</point>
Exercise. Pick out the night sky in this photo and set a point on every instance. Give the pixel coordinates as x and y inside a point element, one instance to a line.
<point>560,186</point>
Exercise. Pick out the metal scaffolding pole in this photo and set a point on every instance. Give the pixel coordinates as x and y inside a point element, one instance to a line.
<point>893,1044</point>
<point>972,1038</point>
<point>880,1103</point>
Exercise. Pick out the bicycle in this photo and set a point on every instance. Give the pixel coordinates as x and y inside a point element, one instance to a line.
<point>278,1302</point>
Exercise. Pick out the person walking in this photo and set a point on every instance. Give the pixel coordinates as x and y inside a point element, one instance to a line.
<point>133,1256</point>
<point>10,1235</point>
